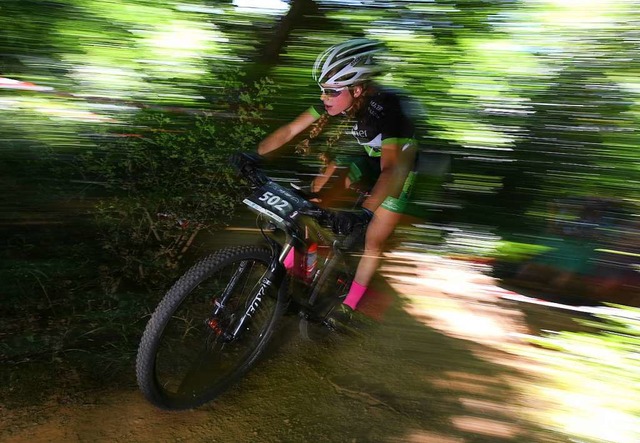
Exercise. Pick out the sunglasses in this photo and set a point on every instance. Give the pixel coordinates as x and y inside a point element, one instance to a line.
<point>332,92</point>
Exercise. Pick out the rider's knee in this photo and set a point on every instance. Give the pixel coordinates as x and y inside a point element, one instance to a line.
<point>374,244</point>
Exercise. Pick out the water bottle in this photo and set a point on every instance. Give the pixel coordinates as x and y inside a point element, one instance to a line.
<point>312,260</point>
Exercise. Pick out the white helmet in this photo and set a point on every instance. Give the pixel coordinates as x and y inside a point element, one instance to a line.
<point>347,63</point>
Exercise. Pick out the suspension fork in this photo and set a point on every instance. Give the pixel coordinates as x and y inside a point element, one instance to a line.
<point>273,278</point>
<point>220,303</point>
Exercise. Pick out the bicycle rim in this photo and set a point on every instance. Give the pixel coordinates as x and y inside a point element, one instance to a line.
<point>193,362</point>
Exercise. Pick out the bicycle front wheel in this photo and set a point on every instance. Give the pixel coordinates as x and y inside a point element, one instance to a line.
<point>186,356</point>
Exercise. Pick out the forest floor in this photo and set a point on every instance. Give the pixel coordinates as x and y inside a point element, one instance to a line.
<point>444,361</point>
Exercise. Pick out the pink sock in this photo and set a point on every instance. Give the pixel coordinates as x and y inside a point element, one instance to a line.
<point>288,261</point>
<point>355,294</point>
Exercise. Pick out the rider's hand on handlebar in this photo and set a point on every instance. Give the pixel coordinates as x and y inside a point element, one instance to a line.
<point>241,159</point>
<point>246,163</point>
<point>344,222</point>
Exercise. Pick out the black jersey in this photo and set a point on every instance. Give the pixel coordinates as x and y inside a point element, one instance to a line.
<point>383,119</point>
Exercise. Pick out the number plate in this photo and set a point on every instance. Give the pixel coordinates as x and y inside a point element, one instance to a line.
<point>275,201</point>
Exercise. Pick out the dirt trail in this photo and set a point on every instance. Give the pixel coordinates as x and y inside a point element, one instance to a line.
<point>415,375</point>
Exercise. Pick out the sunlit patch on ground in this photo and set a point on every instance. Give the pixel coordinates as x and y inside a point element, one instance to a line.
<point>555,389</point>
<point>485,426</point>
<point>427,437</point>
<point>455,297</point>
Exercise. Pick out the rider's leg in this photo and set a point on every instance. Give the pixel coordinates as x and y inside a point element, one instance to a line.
<point>330,185</point>
<point>335,181</point>
<point>385,219</point>
<point>321,179</point>
<point>384,222</point>
<point>379,230</point>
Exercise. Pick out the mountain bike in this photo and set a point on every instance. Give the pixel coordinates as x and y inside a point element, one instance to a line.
<point>216,321</point>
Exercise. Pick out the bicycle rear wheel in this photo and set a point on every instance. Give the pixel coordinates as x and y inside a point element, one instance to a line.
<point>185,357</point>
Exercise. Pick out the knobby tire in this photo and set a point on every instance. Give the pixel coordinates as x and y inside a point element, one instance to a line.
<point>182,361</point>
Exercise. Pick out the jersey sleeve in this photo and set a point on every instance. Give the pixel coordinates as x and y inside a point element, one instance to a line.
<point>317,109</point>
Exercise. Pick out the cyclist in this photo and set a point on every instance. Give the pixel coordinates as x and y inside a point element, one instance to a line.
<point>380,122</point>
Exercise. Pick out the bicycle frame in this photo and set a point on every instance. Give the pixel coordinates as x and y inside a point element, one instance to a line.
<point>274,276</point>
<point>284,210</point>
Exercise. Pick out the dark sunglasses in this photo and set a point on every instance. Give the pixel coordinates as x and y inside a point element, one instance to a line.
<point>332,92</point>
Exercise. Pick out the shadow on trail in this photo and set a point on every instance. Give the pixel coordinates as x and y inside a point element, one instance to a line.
<point>398,381</point>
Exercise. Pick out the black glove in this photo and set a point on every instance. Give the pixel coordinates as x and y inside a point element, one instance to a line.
<point>246,163</point>
<point>242,159</point>
<point>344,222</point>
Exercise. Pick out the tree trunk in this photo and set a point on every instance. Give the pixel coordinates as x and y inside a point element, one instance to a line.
<point>301,13</point>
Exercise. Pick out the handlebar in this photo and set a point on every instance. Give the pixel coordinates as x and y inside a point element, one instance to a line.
<point>247,164</point>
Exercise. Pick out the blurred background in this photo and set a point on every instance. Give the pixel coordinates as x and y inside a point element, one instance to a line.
<point>117,119</point>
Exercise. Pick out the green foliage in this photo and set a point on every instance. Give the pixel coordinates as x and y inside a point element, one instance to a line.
<point>169,181</point>
<point>602,369</point>
<point>618,338</point>
<point>512,251</point>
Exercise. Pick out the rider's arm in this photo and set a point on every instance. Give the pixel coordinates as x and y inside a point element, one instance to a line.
<point>285,133</point>
<point>397,155</point>
<point>396,163</point>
